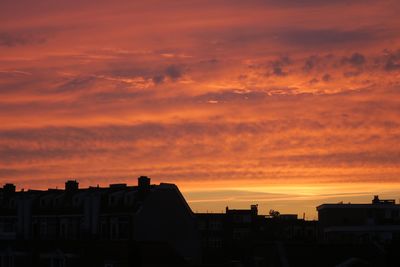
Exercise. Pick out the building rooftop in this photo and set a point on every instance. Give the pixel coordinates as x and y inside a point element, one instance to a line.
<point>376,203</point>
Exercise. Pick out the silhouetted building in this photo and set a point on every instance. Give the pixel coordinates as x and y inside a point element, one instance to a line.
<point>288,228</point>
<point>242,236</point>
<point>152,225</point>
<point>378,221</point>
<point>96,226</point>
<point>227,236</point>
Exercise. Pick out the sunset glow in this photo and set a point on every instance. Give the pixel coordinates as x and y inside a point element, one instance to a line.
<point>287,104</point>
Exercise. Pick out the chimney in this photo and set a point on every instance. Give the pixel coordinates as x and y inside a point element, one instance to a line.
<point>71,186</point>
<point>143,182</point>
<point>254,209</point>
<point>9,188</point>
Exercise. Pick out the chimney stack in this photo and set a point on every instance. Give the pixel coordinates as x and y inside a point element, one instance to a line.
<point>254,209</point>
<point>143,182</point>
<point>71,186</point>
<point>9,188</point>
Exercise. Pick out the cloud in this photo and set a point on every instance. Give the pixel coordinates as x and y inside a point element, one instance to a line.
<point>361,158</point>
<point>349,74</point>
<point>14,39</point>
<point>356,60</point>
<point>277,66</point>
<point>392,60</point>
<point>231,195</point>
<point>261,95</point>
<point>312,3</point>
<point>327,77</point>
<point>310,63</point>
<point>14,73</point>
<point>326,37</point>
<point>158,79</point>
<point>174,72</point>
<point>76,84</point>
<point>313,81</point>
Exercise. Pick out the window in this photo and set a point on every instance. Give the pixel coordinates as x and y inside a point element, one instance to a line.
<point>111,200</point>
<point>123,228</point>
<point>43,228</point>
<point>7,225</point>
<point>240,233</point>
<point>7,260</point>
<point>202,225</point>
<point>128,199</point>
<point>66,229</point>
<point>215,242</point>
<point>215,225</point>
<point>114,231</point>
<point>76,201</point>
<point>12,203</point>
<point>57,262</point>
<point>104,228</point>
<point>242,218</point>
<point>395,213</point>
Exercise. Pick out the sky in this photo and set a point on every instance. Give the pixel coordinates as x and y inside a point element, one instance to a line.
<point>288,104</point>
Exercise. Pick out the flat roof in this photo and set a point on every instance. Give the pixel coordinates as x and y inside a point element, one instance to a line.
<point>358,206</point>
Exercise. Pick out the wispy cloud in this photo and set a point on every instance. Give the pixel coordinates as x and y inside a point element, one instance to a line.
<point>201,93</point>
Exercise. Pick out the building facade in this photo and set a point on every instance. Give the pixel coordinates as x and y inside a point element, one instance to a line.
<point>377,221</point>
<point>58,227</point>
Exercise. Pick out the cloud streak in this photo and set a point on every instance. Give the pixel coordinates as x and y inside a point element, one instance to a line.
<point>250,93</point>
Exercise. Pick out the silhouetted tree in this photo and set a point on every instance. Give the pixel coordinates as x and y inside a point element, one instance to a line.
<point>274,213</point>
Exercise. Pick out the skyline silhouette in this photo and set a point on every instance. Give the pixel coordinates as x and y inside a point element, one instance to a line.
<point>149,224</point>
<point>243,199</point>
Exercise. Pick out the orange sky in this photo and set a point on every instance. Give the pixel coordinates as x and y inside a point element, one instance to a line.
<point>287,104</point>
